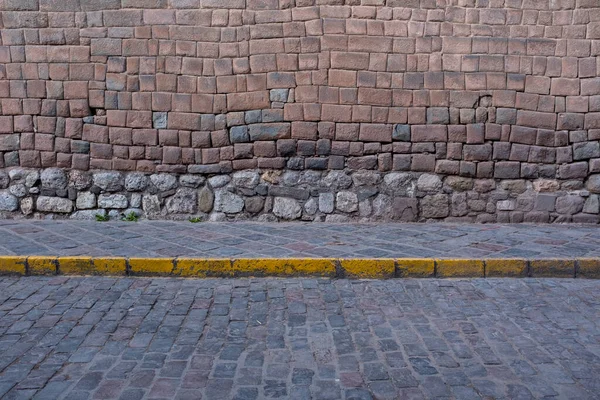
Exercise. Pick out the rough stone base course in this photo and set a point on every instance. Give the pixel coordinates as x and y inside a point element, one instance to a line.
<point>308,195</point>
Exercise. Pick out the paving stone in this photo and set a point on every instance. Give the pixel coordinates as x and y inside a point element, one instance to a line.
<point>342,350</point>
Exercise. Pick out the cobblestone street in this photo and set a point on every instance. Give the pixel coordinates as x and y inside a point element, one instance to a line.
<point>109,338</point>
<point>252,240</point>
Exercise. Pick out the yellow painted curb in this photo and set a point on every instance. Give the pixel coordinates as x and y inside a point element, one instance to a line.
<point>202,268</point>
<point>284,267</point>
<point>505,268</point>
<point>41,265</point>
<point>368,268</point>
<point>588,268</point>
<point>324,267</point>
<point>151,266</point>
<point>75,266</point>
<point>459,268</point>
<point>552,268</point>
<point>415,268</point>
<point>13,265</point>
<point>110,266</point>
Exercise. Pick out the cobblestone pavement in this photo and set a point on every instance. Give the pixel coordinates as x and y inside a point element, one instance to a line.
<point>124,338</point>
<point>249,240</point>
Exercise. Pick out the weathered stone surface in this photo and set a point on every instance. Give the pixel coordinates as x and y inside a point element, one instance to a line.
<point>405,209</point>
<point>382,206</point>
<point>592,205</point>
<point>228,202</point>
<point>80,180</point>
<point>184,201</point>
<point>337,180</point>
<point>88,215</point>
<point>346,202</point>
<point>311,207</point>
<point>8,202</point>
<point>112,201</point>
<point>399,184</point>
<point>366,178</point>
<point>164,182</point>
<point>54,178</point>
<point>286,208</point>
<point>192,181</point>
<point>435,206</point>
<point>151,205</point>
<point>136,182</point>
<point>570,204</point>
<point>326,202</point>
<point>219,181</point>
<point>54,204</point>
<point>85,200</point>
<point>254,204</point>
<point>429,182</point>
<point>108,181</point>
<point>593,183</point>
<point>246,179</point>
<point>18,190</point>
<point>206,200</point>
<point>4,180</point>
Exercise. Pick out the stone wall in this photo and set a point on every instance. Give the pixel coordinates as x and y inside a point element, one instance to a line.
<point>309,195</point>
<point>486,110</point>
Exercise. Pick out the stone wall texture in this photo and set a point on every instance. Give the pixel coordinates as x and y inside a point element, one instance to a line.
<point>474,110</point>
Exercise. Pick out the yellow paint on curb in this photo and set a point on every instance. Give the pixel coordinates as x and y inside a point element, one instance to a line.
<point>202,268</point>
<point>75,266</point>
<point>552,268</point>
<point>505,268</point>
<point>110,266</point>
<point>41,265</point>
<point>13,265</point>
<point>324,267</point>
<point>588,268</point>
<point>151,266</point>
<point>459,268</point>
<point>381,268</point>
<point>415,268</point>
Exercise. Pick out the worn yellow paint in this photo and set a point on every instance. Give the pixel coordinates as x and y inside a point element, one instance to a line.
<point>110,266</point>
<point>13,265</point>
<point>377,268</point>
<point>284,267</point>
<point>151,266</point>
<point>415,267</point>
<point>203,267</point>
<point>75,266</point>
<point>459,268</point>
<point>505,268</point>
<point>552,268</point>
<point>588,268</point>
<point>41,265</point>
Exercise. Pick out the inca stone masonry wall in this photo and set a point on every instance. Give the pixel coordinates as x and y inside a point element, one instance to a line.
<point>471,110</point>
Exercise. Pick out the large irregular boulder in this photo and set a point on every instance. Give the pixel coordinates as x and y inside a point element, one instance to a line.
<point>227,202</point>
<point>136,182</point>
<point>347,202</point>
<point>184,201</point>
<point>54,204</point>
<point>54,178</point>
<point>109,181</point>
<point>435,206</point>
<point>286,208</point>
<point>206,199</point>
<point>8,202</point>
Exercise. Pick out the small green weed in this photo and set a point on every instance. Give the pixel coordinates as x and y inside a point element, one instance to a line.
<point>131,217</point>
<point>101,218</point>
<point>195,220</point>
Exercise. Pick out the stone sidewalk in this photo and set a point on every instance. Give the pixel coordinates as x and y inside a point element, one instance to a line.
<point>246,339</point>
<point>301,240</point>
